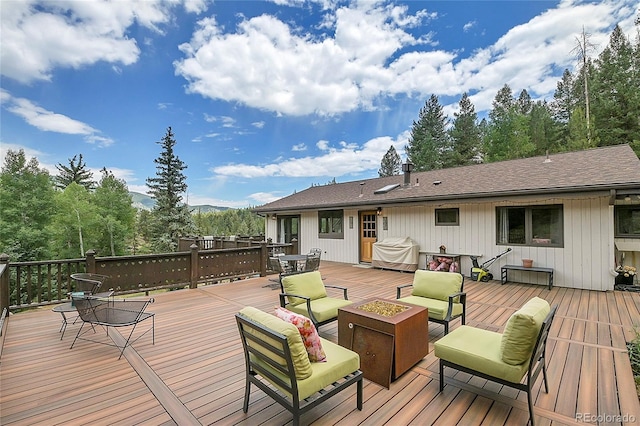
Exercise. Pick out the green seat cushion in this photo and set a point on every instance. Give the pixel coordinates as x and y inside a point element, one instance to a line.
<point>323,309</point>
<point>479,350</point>
<point>299,354</point>
<point>308,284</point>
<point>520,333</point>
<point>437,308</point>
<point>435,284</point>
<point>340,362</point>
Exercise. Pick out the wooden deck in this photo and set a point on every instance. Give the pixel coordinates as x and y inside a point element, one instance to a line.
<point>194,372</point>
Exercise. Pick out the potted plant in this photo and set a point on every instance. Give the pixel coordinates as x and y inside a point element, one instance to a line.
<point>625,274</point>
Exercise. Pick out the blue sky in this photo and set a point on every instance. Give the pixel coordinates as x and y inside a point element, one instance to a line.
<point>267,97</point>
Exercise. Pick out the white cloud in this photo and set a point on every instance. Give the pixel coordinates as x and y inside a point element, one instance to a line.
<point>258,124</point>
<point>40,35</point>
<point>469,25</point>
<point>49,121</point>
<point>348,159</point>
<point>299,147</point>
<point>265,197</point>
<point>367,54</point>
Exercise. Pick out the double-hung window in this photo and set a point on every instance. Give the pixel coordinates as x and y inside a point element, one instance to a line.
<point>330,224</point>
<point>530,225</point>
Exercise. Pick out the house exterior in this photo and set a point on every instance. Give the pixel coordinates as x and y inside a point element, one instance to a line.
<point>575,212</point>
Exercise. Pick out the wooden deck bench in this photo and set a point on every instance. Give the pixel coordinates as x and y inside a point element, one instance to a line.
<point>504,271</point>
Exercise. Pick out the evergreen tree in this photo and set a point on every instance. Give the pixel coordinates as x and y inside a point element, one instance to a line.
<point>616,89</point>
<point>428,143</point>
<point>465,134</point>
<point>75,172</point>
<point>391,163</point>
<point>543,130</point>
<point>563,103</point>
<point>26,206</point>
<point>171,216</point>
<point>578,138</point>
<point>118,216</point>
<point>508,133</point>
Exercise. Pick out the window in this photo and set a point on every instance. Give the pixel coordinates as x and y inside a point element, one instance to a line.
<point>447,217</point>
<point>627,221</point>
<point>330,224</point>
<point>530,226</point>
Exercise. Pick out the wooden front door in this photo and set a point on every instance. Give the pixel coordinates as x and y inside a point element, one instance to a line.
<point>368,235</point>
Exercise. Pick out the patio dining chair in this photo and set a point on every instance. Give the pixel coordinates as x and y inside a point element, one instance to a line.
<point>91,284</point>
<point>113,313</point>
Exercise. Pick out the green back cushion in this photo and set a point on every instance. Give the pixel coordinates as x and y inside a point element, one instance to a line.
<point>522,330</point>
<point>307,284</point>
<point>435,284</point>
<point>301,363</point>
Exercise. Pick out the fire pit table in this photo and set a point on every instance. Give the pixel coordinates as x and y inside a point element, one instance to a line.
<point>390,336</point>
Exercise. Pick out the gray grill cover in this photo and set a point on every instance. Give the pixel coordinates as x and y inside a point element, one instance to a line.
<point>399,253</point>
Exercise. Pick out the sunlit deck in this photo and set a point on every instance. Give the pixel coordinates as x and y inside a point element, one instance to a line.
<point>194,372</point>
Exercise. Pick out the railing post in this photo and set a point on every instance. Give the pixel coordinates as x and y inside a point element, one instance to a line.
<point>295,247</point>
<point>194,266</point>
<point>4,283</point>
<point>91,261</point>
<point>264,256</point>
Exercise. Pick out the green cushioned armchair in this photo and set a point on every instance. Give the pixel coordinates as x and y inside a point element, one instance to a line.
<point>441,293</point>
<point>507,357</point>
<point>277,363</point>
<point>306,294</point>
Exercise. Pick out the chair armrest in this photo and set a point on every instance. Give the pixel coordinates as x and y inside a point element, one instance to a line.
<point>344,290</point>
<point>462,295</point>
<point>399,289</point>
<point>283,302</point>
<point>463,300</point>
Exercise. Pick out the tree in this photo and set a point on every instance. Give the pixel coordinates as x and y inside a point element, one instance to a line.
<point>75,172</point>
<point>75,224</point>
<point>26,206</point>
<point>465,134</point>
<point>171,216</point>
<point>428,143</point>
<point>391,163</point>
<point>508,133</point>
<point>616,100</point>
<point>113,201</point>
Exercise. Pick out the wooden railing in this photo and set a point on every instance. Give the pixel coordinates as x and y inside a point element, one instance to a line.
<point>31,284</point>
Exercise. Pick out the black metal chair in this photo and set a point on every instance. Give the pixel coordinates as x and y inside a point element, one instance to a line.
<point>91,284</point>
<point>270,366</point>
<point>113,313</point>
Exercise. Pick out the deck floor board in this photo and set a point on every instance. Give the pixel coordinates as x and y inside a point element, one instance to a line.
<point>194,374</point>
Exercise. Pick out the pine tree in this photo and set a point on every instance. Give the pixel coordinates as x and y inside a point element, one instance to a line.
<point>391,163</point>
<point>428,143</point>
<point>465,134</point>
<point>75,172</point>
<point>616,90</point>
<point>171,216</point>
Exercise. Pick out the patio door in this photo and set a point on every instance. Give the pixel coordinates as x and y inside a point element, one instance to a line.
<point>288,228</point>
<point>368,235</point>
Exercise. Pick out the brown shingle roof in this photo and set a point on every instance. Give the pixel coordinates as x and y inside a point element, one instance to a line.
<point>613,167</point>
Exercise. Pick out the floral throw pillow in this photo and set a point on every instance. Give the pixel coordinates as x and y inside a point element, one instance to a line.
<point>308,332</point>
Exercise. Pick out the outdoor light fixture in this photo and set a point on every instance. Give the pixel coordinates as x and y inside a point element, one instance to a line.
<point>273,216</point>
<point>379,211</point>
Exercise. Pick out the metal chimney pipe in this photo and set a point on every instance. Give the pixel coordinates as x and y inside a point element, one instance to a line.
<point>407,168</point>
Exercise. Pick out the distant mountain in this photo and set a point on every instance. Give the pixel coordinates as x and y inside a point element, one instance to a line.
<point>142,201</point>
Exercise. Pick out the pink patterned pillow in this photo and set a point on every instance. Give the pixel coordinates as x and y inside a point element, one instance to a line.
<point>308,332</point>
